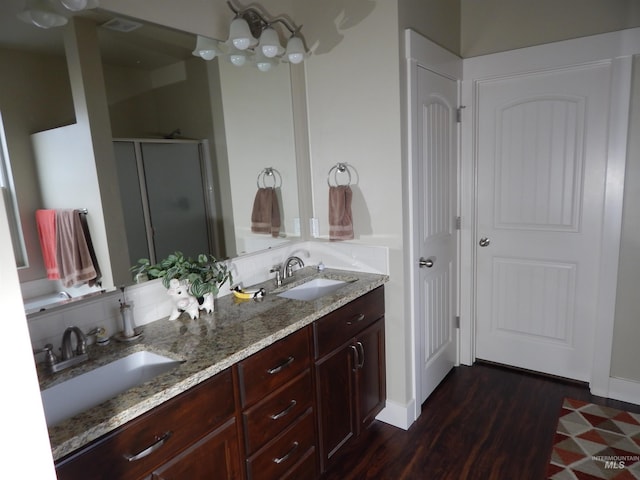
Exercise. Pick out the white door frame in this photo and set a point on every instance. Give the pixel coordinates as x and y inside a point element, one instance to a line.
<point>619,46</point>
<point>419,52</point>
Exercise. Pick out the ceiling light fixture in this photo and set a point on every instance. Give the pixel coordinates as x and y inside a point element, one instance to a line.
<point>78,5</point>
<point>48,13</point>
<point>252,38</point>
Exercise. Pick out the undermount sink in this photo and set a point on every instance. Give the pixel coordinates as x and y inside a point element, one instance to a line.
<point>313,289</point>
<point>73,396</point>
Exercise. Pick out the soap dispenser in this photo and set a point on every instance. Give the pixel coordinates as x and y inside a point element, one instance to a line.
<point>126,313</point>
<point>127,320</point>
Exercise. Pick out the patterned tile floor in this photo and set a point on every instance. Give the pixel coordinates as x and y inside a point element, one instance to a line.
<point>595,442</point>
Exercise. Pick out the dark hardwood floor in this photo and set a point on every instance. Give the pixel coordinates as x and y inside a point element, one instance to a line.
<point>484,422</point>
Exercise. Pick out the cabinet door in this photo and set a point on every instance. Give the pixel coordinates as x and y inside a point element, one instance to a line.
<point>215,456</point>
<point>335,391</point>
<point>370,374</point>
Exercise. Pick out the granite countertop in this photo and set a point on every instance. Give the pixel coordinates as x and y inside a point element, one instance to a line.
<point>205,346</point>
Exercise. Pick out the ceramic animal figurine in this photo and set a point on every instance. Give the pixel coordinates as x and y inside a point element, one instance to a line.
<point>207,303</point>
<point>183,301</point>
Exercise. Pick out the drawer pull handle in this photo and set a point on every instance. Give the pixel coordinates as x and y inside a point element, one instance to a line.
<point>357,319</point>
<point>361,355</point>
<point>160,441</point>
<point>289,453</point>
<point>282,366</point>
<point>284,412</point>
<point>356,357</point>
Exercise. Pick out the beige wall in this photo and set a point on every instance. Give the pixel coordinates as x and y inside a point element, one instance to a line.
<point>28,106</point>
<point>438,20</point>
<point>490,26</point>
<point>626,334</point>
<point>353,94</point>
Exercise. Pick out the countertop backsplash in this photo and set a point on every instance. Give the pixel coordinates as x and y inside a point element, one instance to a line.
<point>150,301</point>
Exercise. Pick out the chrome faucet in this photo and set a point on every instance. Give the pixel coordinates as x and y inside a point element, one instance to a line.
<point>286,269</point>
<point>287,266</point>
<point>81,343</point>
<point>69,356</point>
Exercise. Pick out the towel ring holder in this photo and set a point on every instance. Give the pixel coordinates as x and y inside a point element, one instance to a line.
<point>269,172</point>
<point>336,169</point>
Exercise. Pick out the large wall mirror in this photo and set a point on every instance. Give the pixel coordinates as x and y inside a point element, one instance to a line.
<point>240,119</point>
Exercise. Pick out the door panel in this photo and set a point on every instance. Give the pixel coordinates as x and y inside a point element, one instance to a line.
<point>541,149</point>
<point>436,210</point>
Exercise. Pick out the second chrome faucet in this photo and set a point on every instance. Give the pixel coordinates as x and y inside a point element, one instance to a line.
<point>285,270</point>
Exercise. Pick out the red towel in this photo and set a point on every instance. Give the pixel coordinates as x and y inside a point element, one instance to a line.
<point>46,221</point>
<point>340,217</point>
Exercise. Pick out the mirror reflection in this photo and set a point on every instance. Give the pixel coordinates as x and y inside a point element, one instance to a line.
<point>223,125</point>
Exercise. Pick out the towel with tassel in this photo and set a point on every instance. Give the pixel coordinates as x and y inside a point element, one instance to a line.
<point>340,217</point>
<point>74,259</point>
<point>46,223</point>
<point>265,216</point>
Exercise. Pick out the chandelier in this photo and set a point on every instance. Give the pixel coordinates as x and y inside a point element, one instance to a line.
<point>252,39</point>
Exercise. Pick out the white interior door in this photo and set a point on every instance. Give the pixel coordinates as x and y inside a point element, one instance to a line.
<point>541,157</point>
<point>436,167</point>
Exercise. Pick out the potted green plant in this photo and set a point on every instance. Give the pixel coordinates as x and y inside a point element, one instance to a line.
<point>187,280</point>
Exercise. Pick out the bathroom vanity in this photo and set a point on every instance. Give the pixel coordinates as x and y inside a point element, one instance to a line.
<point>266,390</point>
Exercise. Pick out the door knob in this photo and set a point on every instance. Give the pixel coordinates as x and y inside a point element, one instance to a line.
<point>484,242</point>
<point>426,262</point>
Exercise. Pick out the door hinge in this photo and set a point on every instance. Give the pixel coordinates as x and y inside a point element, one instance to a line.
<point>457,321</point>
<point>458,223</point>
<point>459,113</point>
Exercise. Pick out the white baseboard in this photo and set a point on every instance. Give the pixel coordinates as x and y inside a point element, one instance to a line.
<point>401,416</point>
<point>624,390</point>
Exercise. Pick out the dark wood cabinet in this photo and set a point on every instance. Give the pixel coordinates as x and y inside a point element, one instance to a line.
<point>350,371</point>
<point>282,413</point>
<point>216,456</point>
<point>164,434</point>
<point>371,391</point>
<point>278,415</point>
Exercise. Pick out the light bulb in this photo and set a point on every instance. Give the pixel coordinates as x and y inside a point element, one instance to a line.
<point>295,49</point>
<point>240,34</point>
<point>40,14</point>
<point>206,48</point>
<point>264,66</point>
<point>74,5</point>
<point>207,54</point>
<point>270,43</point>
<point>238,59</point>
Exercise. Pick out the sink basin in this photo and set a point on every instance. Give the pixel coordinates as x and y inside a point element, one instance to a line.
<point>316,288</point>
<point>90,389</point>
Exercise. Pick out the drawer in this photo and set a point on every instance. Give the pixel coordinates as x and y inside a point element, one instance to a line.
<point>285,451</point>
<point>265,371</point>
<point>339,326</point>
<point>307,468</point>
<point>171,427</point>
<point>266,419</point>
